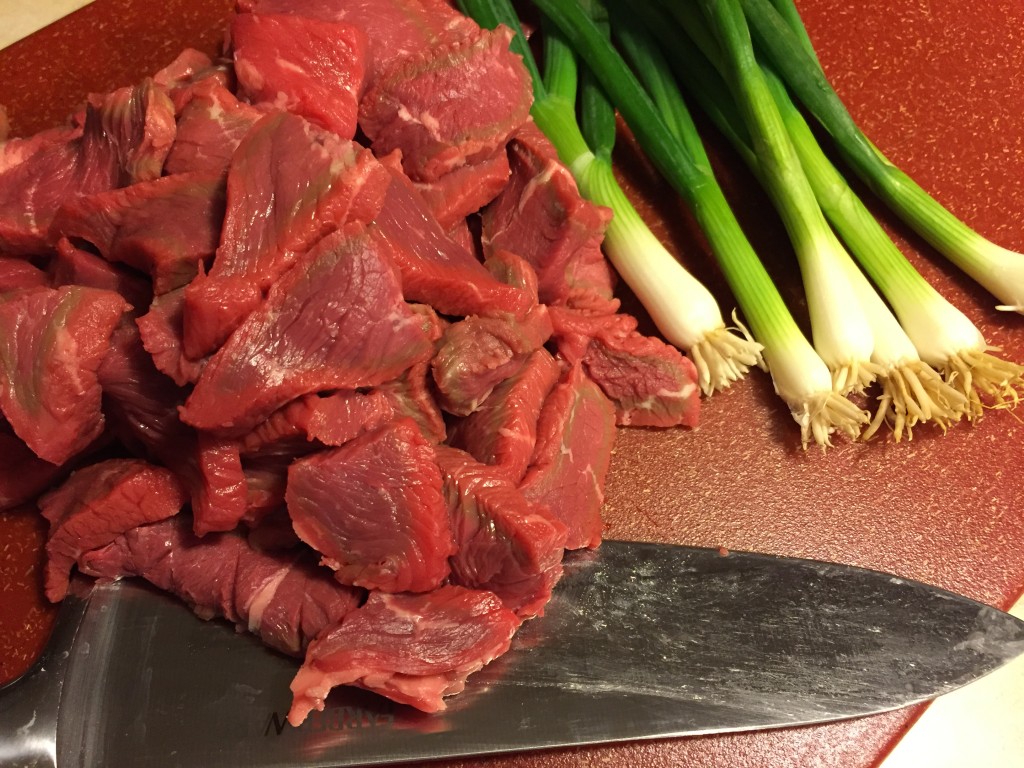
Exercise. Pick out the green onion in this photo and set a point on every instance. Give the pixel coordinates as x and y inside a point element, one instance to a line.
<point>943,335</point>
<point>682,308</point>
<point>721,357</point>
<point>907,374</point>
<point>840,328</point>
<point>999,270</point>
<point>800,376</point>
<point>912,391</point>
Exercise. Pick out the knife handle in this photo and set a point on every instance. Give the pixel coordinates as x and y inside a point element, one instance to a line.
<point>29,704</point>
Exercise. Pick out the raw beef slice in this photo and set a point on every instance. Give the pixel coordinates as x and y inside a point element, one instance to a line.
<point>162,331</point>
<point>541,216</point>
<point>651,383</point>
<point>314,421</point>
<point>220,491</point>
<point>99,503</point>
<point>139,124</point>
<point>33,190</point>
<point>452,106</point>
<point>414,649</point>
<point>52,341</point>
<point>465,191</point>
<point>335,321</point>
<point>17,274</point>
<point>434,268</point>
<point>575,435</point>
<point>210,127</point>
<point>374,509</point>
<point>478,353</point>
<point>505,543</point>
<point>502,432</point>
<point>394,29</point>
<point>281,596</point>
<point>74,266</point>
<point>305,66</point>
<point>289,184</point>
<point>164,227</point>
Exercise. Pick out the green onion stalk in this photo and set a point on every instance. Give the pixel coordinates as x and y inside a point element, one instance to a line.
<point>682,308</point>
<point>912,391</point>
<point>999,270</point>
<point>800,376</point>
<point>944,337</point>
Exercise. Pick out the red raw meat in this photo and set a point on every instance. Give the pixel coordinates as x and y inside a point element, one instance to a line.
<point>97,504</point>
<point>14,150</point>
<point>305,66</point>
<point>82,162</point>
<point>414,649</point>
<point>220,496</point>
<point>503,431</point>
<point>411,395</point>
<point>344,416</point>
<point>462,235</point>
<point>18,274</point>
<point>164,228</point>
<point>435,270</point>
<point>161,330</point>
<point>23,475</point>
<point>304,425</point>
<point>573,329</point>
<point>287,426</point>
<point>74,266</point>
<point>280,596</point>
<point>453,105</point>
<point>187,68</point>
<point>465,190</point>
<point>335,321</point>
<point>575,435</point>
<point>505,543</point>
<point>311,182</point>
<point>650,382</point>
<point>541,217</point>
<point>138,121</point>
<point>289,185</point>
<point>478,353</point>
<point>211,125</point>
<point>214,309</point>
<point>394,28</point>
<point>266,479</point>
<point>51,344</point>
<point>374,509</point>
<point>142,404</point>
<point>512,269</point>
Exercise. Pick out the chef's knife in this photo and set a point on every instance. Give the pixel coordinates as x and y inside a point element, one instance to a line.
<point>640,641</point>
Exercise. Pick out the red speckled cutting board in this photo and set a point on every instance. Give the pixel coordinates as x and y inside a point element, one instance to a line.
<point>938,87</point>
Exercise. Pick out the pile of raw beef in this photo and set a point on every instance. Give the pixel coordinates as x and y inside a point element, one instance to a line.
<point>320,339</point>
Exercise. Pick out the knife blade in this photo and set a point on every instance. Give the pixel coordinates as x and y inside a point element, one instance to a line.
<point>640,641</point>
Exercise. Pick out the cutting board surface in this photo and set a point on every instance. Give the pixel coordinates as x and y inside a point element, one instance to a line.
<point>937,87</point>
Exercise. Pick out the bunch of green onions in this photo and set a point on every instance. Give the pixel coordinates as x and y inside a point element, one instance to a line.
<point>931,362</point>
